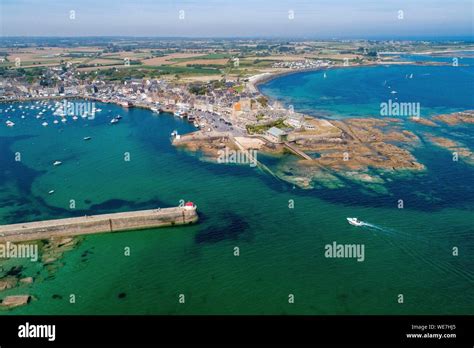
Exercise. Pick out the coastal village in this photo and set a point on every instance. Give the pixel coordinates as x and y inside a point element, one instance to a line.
<point>229,113</point>
<point>223,102</point>
<point>234,114</point>
<point>275,171</point>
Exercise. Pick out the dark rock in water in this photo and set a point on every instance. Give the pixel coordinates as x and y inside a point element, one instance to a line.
<point>122,295</point>
<point>87,201</point>
<point>15,271</point>
<point>87,252</point>
<point>57,297</point>
<point>232,227</point>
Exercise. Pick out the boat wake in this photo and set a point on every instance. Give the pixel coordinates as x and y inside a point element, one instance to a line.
<point>376,227</point>
<point>366,224</point>
<point>412,244</point>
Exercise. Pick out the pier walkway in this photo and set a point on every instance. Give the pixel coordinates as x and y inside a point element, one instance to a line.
<point>99,224</point>
<point>297,151</point>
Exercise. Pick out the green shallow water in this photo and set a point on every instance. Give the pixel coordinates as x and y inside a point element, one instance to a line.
<point>281,249</point>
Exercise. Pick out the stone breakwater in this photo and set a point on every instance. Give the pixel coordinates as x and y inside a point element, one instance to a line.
<point>114,222</point>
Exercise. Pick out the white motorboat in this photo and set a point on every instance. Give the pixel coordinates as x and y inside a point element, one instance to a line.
<point>57,163</point>
<point>355,221</point>
<point>9,123</point>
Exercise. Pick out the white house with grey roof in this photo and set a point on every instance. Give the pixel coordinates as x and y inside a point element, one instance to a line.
<point>276,135</point>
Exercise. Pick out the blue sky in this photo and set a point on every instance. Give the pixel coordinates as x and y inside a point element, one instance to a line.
<point>226,18</point>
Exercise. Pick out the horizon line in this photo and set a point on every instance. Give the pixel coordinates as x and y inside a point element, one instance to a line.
<point>466,37</point>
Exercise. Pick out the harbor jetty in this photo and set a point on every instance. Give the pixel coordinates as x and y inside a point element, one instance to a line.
<point>114,222</point>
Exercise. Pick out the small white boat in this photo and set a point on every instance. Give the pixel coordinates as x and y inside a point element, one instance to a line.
<point>174,133</point>
<point>64,120</point>
<point>44,124</point>
<point>10,124</point>
<point>114,121</point>
<point>75,118</point>
<point>57,163</point>
<point>355,221</point>
<point>87,138</point>
<point>51,192</point>
<point>55,121</point>
<point>393,92</point>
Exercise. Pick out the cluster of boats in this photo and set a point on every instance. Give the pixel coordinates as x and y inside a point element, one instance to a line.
<point>62,110</point>
<point>40,108</point>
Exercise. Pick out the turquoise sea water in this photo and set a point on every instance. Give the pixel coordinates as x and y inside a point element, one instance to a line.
<point>359,92</point>
<point>407,251</point>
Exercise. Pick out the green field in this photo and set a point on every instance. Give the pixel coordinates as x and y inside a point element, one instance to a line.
<point>209,56</point>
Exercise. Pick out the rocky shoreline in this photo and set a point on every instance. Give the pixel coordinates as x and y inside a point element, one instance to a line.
<point>359,149</point>
<point>18,278</point>
<point>353,146</point>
